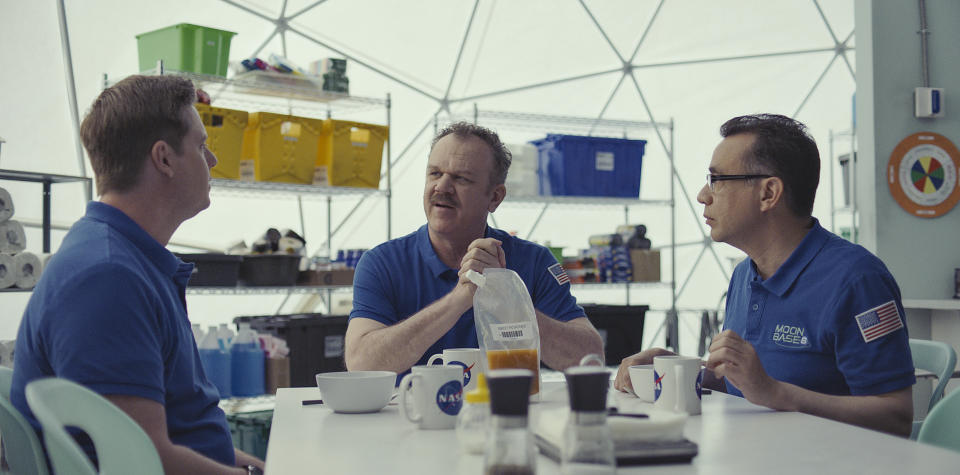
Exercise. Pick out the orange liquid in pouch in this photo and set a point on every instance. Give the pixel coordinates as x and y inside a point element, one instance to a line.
<point>523,359</point>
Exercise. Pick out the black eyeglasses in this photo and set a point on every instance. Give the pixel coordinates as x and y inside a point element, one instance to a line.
<point>713,179</point>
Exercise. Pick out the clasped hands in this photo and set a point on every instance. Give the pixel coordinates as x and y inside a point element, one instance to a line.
<point>481,254</point>
<point>731,357</point>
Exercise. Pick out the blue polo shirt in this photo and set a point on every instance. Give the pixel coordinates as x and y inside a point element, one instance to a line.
<point>401,277</point>
<point>803,320</point>
<point>109,312</point>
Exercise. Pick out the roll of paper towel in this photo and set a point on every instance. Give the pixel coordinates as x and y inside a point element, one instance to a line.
<point>44,260</point>
<point>27,269</point>
<point>12,238</point>
<point>8,274</point>
<point>6,205</point>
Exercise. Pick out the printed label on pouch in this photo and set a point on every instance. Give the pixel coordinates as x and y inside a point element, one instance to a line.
<point>605,161</point>
<point>511,331</point>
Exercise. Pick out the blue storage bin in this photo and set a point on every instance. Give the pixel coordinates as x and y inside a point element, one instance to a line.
<point>572,165</point>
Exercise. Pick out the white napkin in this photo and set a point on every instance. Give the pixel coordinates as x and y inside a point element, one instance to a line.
<point>12,237</point>
<point>6,205</point>
<point>27,268</point>
<point>659,426</point>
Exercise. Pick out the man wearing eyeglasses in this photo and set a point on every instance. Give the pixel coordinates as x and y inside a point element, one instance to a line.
<point>813,322</point>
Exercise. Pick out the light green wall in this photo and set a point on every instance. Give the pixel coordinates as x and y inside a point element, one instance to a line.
<point>921,253</point>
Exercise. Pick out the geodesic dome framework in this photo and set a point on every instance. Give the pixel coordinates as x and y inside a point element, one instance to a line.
<point>692,64</point>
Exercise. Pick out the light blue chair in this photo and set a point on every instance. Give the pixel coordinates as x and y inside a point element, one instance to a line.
<point>122,445</point>
<point>942,425</point>
<point>21,445</point>
<point>937,358</point>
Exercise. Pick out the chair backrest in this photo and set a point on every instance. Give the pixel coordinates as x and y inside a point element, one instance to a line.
<point>121,444</point>
<point>21,445</point>
<point>6,380</point>
<point>935,357</point>
<point>941,426</point>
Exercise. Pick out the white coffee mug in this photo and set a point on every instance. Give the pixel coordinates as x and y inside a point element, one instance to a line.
<point>437,395</point>
<point>641,381</point>
<point>677,383</point>
<point>470,359</point>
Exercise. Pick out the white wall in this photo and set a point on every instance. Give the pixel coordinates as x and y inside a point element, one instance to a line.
<point>921,253</point>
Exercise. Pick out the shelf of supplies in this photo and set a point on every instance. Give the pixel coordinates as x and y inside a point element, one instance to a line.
<point>300,289</point>
<point>932,304</point>
<point>583,200</point>
<point>284,87</point>
<point>563,123</point>
<point>616,285</point>
<point>288,189</point>
<point>17,175</point>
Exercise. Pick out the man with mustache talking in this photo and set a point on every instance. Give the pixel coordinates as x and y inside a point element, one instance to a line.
<point>411,297</point>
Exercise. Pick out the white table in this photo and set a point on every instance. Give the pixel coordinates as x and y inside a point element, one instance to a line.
<point>734,437</point>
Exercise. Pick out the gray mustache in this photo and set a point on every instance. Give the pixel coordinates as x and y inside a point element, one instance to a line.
<point>442,200</point>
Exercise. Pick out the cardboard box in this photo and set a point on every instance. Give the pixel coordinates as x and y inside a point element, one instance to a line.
<point>277,374</point>
<point>646,265</point>
<point>326,277</point>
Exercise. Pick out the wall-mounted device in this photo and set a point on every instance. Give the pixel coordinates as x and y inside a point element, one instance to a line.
<point>929,102</point>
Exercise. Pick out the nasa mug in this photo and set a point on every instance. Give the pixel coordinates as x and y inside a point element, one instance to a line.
<point>437,393</point>
<point>677,384</point>
<point>470,359</point>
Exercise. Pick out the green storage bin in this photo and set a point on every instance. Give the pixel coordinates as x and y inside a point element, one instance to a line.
<point>186,47</point>
<point>557,253</point>
<point>251,431</point>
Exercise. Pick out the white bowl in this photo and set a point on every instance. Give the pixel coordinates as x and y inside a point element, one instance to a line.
<point>355,392</point>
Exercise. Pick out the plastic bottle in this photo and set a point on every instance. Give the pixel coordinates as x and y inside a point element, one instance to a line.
<point>509,448</point>
<point>197,333</point>
<point>587,443</point>
<point>216,362</point>
<point>225,334</point>
<point>246,364</point>
<point>474,417</point>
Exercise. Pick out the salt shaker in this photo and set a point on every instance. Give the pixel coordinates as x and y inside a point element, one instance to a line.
<point>587,443</point>
<point>509,447</point>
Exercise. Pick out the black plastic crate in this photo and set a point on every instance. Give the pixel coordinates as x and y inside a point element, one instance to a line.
<point>316,342</point>
<point>621,327</point>
<point>270,270</point>
<point>213,270</point>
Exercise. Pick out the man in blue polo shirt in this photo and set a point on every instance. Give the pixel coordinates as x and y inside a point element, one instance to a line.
<point>411,298</point>
<point>109,311</point>
<point>813,322</point>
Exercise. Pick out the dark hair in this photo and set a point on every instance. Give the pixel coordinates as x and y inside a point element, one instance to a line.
<point>783,148</point>
<point>501,155</point>
<point>127,119</point>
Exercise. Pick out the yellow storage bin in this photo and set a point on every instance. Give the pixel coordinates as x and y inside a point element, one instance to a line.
<point>281,147</point>
<point>350,154</point>
<point>224,138</point>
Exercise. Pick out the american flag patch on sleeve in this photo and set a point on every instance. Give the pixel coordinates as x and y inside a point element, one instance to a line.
<point>879,321</point>
<point>559,274</point>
